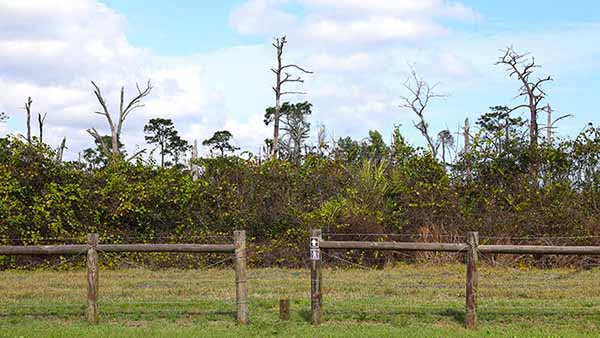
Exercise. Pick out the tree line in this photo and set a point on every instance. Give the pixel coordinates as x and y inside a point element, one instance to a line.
<point>506,179</point>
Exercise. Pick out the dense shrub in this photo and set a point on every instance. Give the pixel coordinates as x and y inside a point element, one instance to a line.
<point>501,188</point>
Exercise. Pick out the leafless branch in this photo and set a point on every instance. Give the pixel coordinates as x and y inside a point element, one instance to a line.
<point>421,94</point>
<point>520,66</point>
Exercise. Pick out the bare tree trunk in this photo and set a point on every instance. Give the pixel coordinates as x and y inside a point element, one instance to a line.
<point>420,95</point>
<point>506,131</point>
<point>162,155</point>
<point>28,111</point>
<point>61,149</point>
<point>467,149</point>
<point>41,126</point>
<point>444,153</point>
<point>279,44</point>
<point>117,127</point>
<point>522,68</point>
<point>549,125</point>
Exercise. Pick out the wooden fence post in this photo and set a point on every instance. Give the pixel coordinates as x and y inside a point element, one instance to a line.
<point>284,308</point>
<point>315,282</point>
<point>92,279</point>
<point>472,280</point>
<point>241,281</point>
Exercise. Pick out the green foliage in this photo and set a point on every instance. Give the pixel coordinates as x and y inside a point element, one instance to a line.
<point>162,132</point>
<point>360,186</point>
<point>295,128</point>
<point>99,157</point>
<point>221,141</point>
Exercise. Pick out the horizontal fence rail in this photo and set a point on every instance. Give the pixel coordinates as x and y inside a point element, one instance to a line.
<point>75,249</point>
<point>470,248</point>
<point>92,248</point>
<point>539,249</point>
<point>398,246</point>
<point>459,247</point>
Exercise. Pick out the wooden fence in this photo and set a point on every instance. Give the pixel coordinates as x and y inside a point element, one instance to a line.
<point>238,248</point>
<point>471,248</point>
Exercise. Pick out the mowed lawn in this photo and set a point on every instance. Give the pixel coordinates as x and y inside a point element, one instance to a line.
<point>402,301</point>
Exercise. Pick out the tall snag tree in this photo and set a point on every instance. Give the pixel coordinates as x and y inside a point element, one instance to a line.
<point>28,112</point>
<point>522,67</point>
<point>282,77</point>
<point>116,126</point>
<point>41,120</point>
<point>421,93</point>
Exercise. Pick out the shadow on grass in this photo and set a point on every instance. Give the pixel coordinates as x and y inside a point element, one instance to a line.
<point>125,314</point>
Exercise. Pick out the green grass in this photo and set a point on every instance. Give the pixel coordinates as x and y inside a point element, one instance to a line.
<point>404,301</point>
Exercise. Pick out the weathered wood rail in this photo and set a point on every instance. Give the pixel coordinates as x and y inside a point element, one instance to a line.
<point>471,249</point>
<point>238,248</point>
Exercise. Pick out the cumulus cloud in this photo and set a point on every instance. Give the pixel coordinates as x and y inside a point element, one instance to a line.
<point>372,30</point>
<point>51,50</point>
<point>261,16</point>
<point>359,50</point>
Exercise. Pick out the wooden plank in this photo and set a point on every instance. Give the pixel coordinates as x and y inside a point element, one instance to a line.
<point>315,283</point>
<point>166,247</point>
<point>540,249</point>
<point>92,279</point>
<point>79,249</point>
<point>284,308</point>
<point>14,250</point>
<point>398,246</point>
<point>241,281</point>
<point>472,280</point>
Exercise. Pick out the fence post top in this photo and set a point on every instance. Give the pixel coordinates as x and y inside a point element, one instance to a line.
<point>92,238</point>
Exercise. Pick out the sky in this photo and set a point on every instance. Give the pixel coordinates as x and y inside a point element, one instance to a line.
<point>209,62</point>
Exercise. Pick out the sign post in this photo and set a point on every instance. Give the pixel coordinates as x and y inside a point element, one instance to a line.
<point>315,276</point>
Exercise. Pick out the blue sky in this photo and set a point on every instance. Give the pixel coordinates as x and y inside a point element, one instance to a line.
<point>209,61</point>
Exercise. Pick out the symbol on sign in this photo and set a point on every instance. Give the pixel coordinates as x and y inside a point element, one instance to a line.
<point>315,254</point>
<point>314,242</point>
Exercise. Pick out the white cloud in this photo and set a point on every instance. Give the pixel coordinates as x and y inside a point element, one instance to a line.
<point>260,16</point>
<point>373,30</point>
<point>51,50</point>
<point>327,63</point>
<point>359,50</point>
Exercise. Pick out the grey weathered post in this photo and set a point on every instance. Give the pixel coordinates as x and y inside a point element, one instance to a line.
<point>92,279</point>
<point>241,281</point>
<point>315,282</point>
<point>284,308</point>
<point>472,280</point>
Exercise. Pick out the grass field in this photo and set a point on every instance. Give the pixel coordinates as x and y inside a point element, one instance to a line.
<point>404,301</point>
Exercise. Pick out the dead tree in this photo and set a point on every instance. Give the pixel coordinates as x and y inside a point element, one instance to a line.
<point>28,111</point>
<point>282,77</point>
<point>550,123</point>
<point>41,120</point>
<point>522,68</point>
<point>421,94</point>
<point>61,149</point>
<point>467,155</point>
<point>117,126</point>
